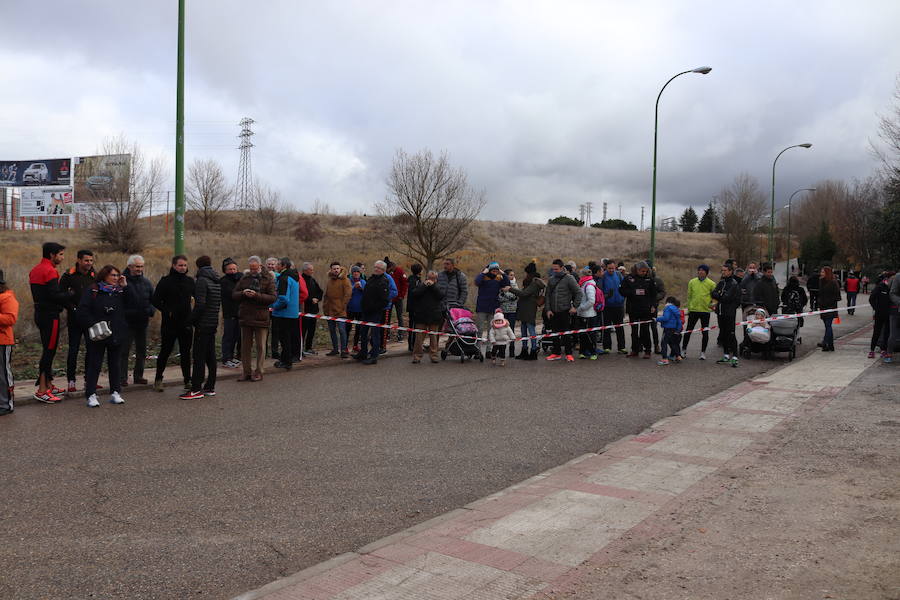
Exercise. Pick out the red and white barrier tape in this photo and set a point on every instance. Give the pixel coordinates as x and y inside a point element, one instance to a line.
<point>573,331</point>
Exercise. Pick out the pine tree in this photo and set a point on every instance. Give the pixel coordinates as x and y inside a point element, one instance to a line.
<point>706,221</point>
<point>688,220</point>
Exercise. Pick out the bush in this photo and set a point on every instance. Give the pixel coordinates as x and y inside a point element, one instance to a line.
<point>308,228</point>
<point>564,220</point>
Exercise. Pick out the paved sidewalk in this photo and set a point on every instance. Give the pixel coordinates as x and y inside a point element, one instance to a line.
<point>559,533</point>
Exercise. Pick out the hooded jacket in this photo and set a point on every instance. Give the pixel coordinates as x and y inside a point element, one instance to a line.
<point>254,312</point>
<point>49,299</point>
<point>314,291</point>
<point>588,297</point>
<point>172,297</point>
<point>207,300</point>
<point>287,296</point>
<point>880,300</point>
<point>400,281</point>
<point>611,284</point>
<point>500,335</point>
<point>488,285</point>
<point>798,294</point>
<point>138,300</point>
<point>354,305</point>
<point>337,294</point>
<point>562,292</point>
<point>526,311</point>
<point>429,303</point>
<point>748,284</point>
<point>671,318</point>
<point>103,302</point>
<point>829,294</point>
<point>9,314</point>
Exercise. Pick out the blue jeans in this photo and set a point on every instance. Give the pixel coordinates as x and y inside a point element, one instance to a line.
<point>370,335</point>
<point>527,330</point>
<point>671,343</point>
<point>828,340</point>
<point>338,329</point>
<point>851,301</point>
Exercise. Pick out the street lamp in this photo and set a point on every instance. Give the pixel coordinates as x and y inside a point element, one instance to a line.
<point>702,71</point>
<point>787,264</point>
<point>772,214</point>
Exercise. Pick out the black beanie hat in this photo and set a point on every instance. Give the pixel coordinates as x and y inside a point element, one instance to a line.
<point>531,268</point>
<point>226,262</point>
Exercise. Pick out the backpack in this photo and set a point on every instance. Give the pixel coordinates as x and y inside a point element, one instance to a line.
<point>793,305</point>
<point>599,298</point>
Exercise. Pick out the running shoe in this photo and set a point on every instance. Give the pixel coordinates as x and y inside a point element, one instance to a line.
<point>191,396</point>
<point>703,356</point>
<point>93,402</point>
<point>46,397</point>
<point>209,392</point>
<point>663,362</point>
<point>115,398</point>
<point>554,357</point>
<point>570,358</point>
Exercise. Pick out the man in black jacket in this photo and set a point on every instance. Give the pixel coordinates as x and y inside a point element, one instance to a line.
<point>375,298</point>
<point>73,282</point>
<point>639,290</point>
<point>205,320</point>
<point>231,329</point>
<point>49,301</point>
<point>138,310</point>
<point>727,294</point>
<point>765,292</point>
<point>311,306</point>
<point>172,297</point>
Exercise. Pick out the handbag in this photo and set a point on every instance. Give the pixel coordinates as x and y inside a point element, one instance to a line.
<point>99,331</point>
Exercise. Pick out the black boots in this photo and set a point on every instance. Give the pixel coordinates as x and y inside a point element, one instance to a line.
<point>523,355</point>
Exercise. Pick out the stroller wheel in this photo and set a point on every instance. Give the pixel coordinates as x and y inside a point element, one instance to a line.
<point>462,357</point>
<point>443,355</point>
<point>481,357</point>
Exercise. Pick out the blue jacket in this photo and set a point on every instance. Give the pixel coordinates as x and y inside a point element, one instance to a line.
<point>355,304</point>
<point>488,292</point>
<point>610,285</point>
<point>393,294</point>
<point>287,305</point>
<point>671,318</point>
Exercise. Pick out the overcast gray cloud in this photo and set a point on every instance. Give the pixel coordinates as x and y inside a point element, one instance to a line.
<point>545,104</point>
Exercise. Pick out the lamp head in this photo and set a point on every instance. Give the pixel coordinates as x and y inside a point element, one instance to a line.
<point>702,70</point>
<point>807,145</point>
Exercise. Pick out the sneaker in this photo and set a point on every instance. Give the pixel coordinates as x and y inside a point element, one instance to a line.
<point>71,387</point>
<point>191,395</point>
<point>140,381</point>
<point>46,397</point>
<point>58,391</point>
<point>623,351</point>
<point>370,361</point>
<point>583,356</point>
<point>872,354</point>
<point>678,359</point>
<point>663,362</point>
<point>332,353</point>
<point>593,357</point>
<point>345,354</point>
<point>724,360</point>
<point>889,358</point>
<point>734,362</point>
<point>285,366</point>
<point>646,355</point>
<point>115,398</point>
<point>570,358</point>
<point>382,350</point>
<point>554,357</point>
<point>93,402</point>
<point>309,353</point>
<point>356,349</point>
<point>209,392</point>
<point>632,355</point>
<point>702,356</point>
<point>99,387</point>
<point>187,385</point>
<point>158,385</point>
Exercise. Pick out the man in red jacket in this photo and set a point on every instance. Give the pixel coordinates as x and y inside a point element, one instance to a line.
<point>851,286</point>
<point>399,276</point>
<point>49,300</point>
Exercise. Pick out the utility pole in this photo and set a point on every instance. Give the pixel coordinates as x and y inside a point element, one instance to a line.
<point>604,210</point>
<point>179,137</point>
<point>581,210</point>
<point>587,209</point>
<point>244,197</point>
<point>712,206</point>
<point>642,218</point>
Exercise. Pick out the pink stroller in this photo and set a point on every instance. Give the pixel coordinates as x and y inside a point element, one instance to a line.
<point>459,321</point>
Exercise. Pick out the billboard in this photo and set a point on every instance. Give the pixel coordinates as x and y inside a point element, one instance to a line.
<point>102,178</point>
<point>41,172</point>
<point>45,201</point>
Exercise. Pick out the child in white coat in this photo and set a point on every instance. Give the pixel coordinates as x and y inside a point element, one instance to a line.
<point>499,335</point>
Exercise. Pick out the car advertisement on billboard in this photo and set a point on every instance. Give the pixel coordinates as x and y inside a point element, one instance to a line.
<point>45,202</point>
<point>42,172</point>
<point>102,178</point>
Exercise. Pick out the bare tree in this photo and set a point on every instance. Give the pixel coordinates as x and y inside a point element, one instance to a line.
<point>743,205</point>
<point>270,211</point>
<point>115,214</point>
<point>889,133</point>
<point>860,212</point>
<point>208,192</point>
<point>429,206</point>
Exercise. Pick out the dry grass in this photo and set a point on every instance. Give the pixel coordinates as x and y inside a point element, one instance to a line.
<point>356,238</point>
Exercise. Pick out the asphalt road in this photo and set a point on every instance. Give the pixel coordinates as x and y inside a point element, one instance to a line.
<point>162,498</point>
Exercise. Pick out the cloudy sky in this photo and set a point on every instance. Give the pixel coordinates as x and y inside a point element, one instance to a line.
<point>546,105</point>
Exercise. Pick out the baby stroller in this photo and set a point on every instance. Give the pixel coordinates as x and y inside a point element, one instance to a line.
<point>460,322</point>
<point>767,338</point>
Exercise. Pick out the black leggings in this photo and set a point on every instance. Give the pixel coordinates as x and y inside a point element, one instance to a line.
<point>880,334</point>
<point>693,317</point>
<point>726,326</point>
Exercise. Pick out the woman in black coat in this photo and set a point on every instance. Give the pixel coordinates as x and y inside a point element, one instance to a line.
<point>429,314</point>
<point>103,301</point>
<point>829,295</point>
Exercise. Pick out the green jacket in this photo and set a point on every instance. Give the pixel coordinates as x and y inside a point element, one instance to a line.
<point>698,298</point>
